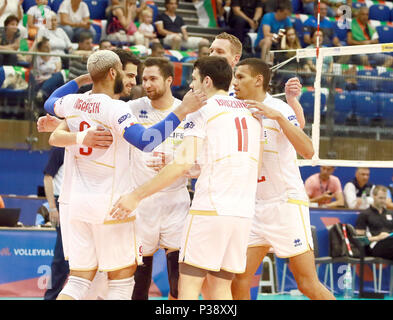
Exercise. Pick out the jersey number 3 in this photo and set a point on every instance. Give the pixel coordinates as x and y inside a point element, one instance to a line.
<point>84,151</point>
<point>242,134</point>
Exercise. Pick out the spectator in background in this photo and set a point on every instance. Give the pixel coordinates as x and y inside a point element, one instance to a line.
<point>53,177</point>
<point>46,72</point>
<point>36,17</point>
<point>9,40</point>
<point>270,26</point>
<point>121,25</point>
<point>157,50</point>
<point>223,7</point>
<point>105,44</point>
<point>323,187</point>
<point>357,193</point>
<point>244,15</point>
<point>2,205</point>
<point>12,8</point>
<point>203,50</point>
<point>78,67</point>
<point>147,28</point>
<point>310,64</point>
<point>59,41</point>
<point>361,33</point>
<point>310,26</point>
<point>172,30</point>
<point>376,223</point>
<point>75,19</point>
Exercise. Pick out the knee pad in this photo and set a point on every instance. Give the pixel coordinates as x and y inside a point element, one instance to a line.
<point>143,279</point>
<point>120,289</point>
<point>172,261</point>
<point>76,287</point>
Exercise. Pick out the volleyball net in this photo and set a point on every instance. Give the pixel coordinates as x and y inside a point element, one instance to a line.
<point>347,98</point>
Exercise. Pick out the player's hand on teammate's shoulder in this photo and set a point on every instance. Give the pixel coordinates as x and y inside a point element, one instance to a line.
<point>47,123</point>
<point>98,138</point>
<point>193,100</point>
<point>293,88</point>
<point>83,80</point>
<point>259,108</point>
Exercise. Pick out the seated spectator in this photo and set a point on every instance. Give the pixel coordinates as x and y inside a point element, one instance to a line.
<point>105,44</point>
<point>12,8</point>
<point>203,51</point>
<point>46,71</point>
<point>172,30</point>
<point>310,64</point>
<point>376,223</point>
<point>310,26</point>
<point>9,40</point>
<point>331,6</point>
<point>357,193</point>
<point>147,28</point>
<point>59,41</point>
<point>323,187</point>
<point>157,50</point>
<point>78,67</point>
<point>121,25</point>
<point>289,41</point>
<point>244,15</point>
<point>267,36</point>
<point>36,17</point>
<point>223,7</point>
<point>361,33</point>
<point>75,19</point>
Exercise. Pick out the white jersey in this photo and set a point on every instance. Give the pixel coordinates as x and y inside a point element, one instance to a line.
<point>147,116</point>
<point>280,178</point>
<point>229,158</point>
<point>99,176</point>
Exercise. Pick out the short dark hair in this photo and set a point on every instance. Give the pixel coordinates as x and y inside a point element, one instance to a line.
<point>156,45</point>
<point>85,35</point>
<point>126,56</point>
<point>258,66</point>
<point>217,68</point>
<point>42,41</point>
<point>164,65</point>
<point>284,5</point>
<point>9,19</point>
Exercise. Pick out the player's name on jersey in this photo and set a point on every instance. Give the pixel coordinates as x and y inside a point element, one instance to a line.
<point>86,106</point>
<point>231,103</point>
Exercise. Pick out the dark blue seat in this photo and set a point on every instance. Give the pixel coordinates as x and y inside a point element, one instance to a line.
<point>386,86</point>
<point>365,105</point>
<point>55,4</point>
<point>379,12</point>
<point>343,107</point>
<point>385,106</point>
<point>365,84</point>
<point>307,101</point>
<point>297,6</point>
<point>97,8</point>
<point>385,34</point>
<point>27,4</point>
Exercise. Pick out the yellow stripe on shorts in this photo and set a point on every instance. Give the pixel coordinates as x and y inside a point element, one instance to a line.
<point>203,213</point>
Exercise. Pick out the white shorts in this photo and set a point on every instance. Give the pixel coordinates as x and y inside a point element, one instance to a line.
<point>160,220</point>
<point>284,225</point>
<point>63,214</point>
<point>108,247</point>
<point>191,43</point>
<point>215,242</point>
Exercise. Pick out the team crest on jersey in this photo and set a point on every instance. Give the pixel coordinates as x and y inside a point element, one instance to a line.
<point>189,125</point>
<point>143,114</point>
<point>124,118</point>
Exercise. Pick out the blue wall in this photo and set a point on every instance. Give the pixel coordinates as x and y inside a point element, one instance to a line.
<point>21,172</point>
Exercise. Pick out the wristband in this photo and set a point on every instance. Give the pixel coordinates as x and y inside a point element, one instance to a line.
<point>80,136</point>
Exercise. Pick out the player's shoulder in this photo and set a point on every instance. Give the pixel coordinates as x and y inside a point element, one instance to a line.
<point>139,103</point>
<point>280,105</point>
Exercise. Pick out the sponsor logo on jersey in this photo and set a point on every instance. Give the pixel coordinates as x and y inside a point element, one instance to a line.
<point>189,125</point>
<point>292,117</point>
<point>124,118</point>
<point>143,114</point>
<point>297,242</point>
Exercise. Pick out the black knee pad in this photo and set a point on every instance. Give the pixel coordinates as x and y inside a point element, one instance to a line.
<point>142,277</point>
<point>172,262</point>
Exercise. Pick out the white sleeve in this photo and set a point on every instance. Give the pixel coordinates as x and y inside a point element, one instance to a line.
<point>195,125</point>
<point>289,114</point>
<point>63,8</point>
<point>121,118</point>
<point>350,195</point>
<point>85,11</point>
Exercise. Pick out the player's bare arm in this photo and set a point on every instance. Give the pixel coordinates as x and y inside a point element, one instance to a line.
<point>183,161</point>
<point>300,141</point>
